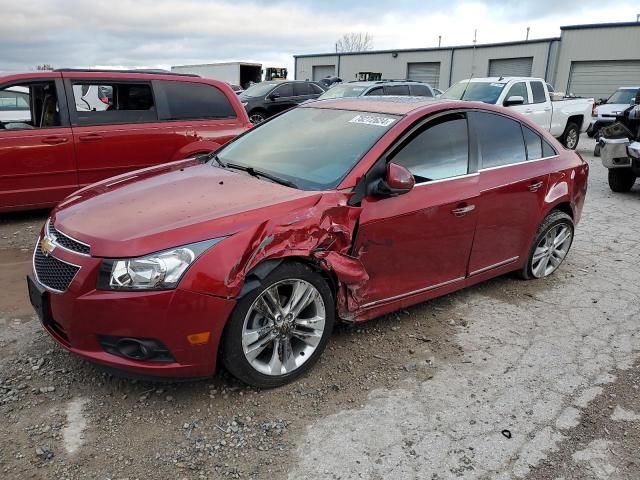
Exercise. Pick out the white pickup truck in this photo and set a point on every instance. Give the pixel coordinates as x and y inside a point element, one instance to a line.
<point>564,118</point>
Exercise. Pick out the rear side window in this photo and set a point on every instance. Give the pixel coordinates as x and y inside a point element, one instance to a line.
<point>420,91</point>
<point>106,103</point>
<point>396,90</point>
<point>537,89</point>
<point>500,140</point>
<point>440,150</point>
<point>533,143</point>
<point>190,101</point>
<point>301,89</point>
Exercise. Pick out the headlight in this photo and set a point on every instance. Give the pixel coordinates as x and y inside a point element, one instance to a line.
<point>157,271</point>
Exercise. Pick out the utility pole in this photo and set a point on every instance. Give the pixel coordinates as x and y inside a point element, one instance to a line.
<point>439,40</point>
<point>527,34</point>
<point>473,55</point>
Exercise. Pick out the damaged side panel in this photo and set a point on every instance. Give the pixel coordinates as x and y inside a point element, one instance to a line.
<point>322,233</point>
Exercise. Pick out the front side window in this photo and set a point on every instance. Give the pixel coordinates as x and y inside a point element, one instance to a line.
<point>28,106</point>
<point>375,91</point>
<point>107,103</point>
<point>189,101</point>
<point>500,139</point>
<point>439,150</point>
<point>537,89</point>
<point>312,147</point>
<point>285,90</point>
<point>258,90</point>
<point>519,89</point>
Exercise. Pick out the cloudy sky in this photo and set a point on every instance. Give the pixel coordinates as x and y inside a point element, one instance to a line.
<point>160,33</point>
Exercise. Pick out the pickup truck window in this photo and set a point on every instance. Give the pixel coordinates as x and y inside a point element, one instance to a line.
<point>519,89</point>
<point>500,139</point>
<point>537,89</point>
<point>487,92</point>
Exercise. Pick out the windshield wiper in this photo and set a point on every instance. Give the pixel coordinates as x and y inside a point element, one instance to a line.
<point>259,173</point>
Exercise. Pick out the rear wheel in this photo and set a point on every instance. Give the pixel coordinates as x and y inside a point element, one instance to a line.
<point>550,247</point>
<point>279,330</point>
<point>571,136</point>
<point>621,179</point>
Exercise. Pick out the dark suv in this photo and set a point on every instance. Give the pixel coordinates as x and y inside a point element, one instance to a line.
<point>405,88</point>
<point>265,99</point>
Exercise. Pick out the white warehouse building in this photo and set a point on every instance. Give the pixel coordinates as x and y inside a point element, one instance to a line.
<point>586,60</point>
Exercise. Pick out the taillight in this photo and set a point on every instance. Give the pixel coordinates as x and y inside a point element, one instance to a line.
<point>594,110</point>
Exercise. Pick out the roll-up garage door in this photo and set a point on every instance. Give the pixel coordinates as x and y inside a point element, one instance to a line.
<point>510,67</point>
<point>428,72</point>
<point>601,79</point>
<point>323,71</point>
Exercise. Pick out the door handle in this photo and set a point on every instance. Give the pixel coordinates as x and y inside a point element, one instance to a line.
<point>548,109</point>
<point>91,137</point>
<point>528,110</point>
<point>54,140</point>
<point>534,187</point>
<point>462,211</point>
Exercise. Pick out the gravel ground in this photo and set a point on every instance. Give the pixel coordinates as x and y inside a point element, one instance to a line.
<point>508,379</point>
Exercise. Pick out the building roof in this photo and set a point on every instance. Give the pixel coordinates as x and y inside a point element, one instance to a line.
<point>600,25</point>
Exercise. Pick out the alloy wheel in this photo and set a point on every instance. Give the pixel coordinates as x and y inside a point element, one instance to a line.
<point>572,139</point>
<point>551,250</point>
<point>283,327</point>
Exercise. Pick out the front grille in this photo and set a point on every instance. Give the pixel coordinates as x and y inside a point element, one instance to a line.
<point>65,241</point>
<point>51,272</point>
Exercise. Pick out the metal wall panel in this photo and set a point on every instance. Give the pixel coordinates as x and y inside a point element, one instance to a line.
<point>511,67</point>
<point>428,72</point>
<point>601,79</point>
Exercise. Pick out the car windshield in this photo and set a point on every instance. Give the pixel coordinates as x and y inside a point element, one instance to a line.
<point>259,89</point>
<point>622,96</point>
<point>313,148</point>
<point>487,92</point>
<point>340,91</point>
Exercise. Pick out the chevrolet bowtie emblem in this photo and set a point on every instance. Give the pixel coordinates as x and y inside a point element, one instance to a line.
<point>47,246</point>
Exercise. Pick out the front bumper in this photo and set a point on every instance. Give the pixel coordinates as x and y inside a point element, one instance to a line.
<point>620,153</point>
<point>597,123</point>
<point>81,314</point>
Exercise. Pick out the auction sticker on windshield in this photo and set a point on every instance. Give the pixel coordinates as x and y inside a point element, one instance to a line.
<point>372,120</point>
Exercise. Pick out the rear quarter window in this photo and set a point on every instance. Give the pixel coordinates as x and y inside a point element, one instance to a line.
<point>192,101</point>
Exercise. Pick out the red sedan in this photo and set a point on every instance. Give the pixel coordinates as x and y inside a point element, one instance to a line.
<point>340,209</point>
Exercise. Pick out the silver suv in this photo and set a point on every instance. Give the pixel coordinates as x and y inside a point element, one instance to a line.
<point>380,87</point>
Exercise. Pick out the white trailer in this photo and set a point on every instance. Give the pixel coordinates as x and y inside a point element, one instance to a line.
<point>236,73</point>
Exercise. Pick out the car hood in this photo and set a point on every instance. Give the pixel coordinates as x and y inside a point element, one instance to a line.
<point>610,108</point>
<point>176,204</point>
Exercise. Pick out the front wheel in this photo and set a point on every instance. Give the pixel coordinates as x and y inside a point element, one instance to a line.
<point>550,247</point>
<point>571,136</point>
<point>257,116</point>
<point>621,179</point>
<point>279,330</point>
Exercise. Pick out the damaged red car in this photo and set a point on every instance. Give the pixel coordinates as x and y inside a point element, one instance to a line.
<point>342,209</point>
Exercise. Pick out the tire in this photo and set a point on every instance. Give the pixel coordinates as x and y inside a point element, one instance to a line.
<point>621,179</point>
<point>596,150</point>
<point>257,116</point>
<point>249,328</point>
<point>551,227</point>
<point>571,136</point>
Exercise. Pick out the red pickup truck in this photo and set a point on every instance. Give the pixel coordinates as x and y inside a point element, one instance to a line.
<point>64,129</point>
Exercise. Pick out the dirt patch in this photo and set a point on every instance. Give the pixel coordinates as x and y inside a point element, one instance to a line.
<point>21,229</point>
<point>15,263</point>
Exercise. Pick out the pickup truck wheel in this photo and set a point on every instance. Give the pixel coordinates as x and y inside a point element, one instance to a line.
<point>571,136</point>
<point>278,330</point>
<point>621,179</point>
<point>550,247</point>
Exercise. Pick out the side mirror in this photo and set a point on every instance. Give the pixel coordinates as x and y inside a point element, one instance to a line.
<point>274,96</point>
<point>397,181</point>
<point>514,100</point>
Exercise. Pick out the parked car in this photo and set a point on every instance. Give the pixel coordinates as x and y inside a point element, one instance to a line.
<point>329,81</point>
<point>532,97</point>
<point>605,113</point>
<point>265,99</point>
<point>619,145</point>
<point>377,88</point>
<point>64,129</point>
<point>342,209</point>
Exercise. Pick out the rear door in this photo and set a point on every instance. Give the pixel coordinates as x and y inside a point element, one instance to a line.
<point>118,134</point>
<point>513,182</point>
<point>37,160</point>
<point>540,107</point>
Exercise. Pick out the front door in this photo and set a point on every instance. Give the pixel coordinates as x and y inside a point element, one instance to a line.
<point>421,240</point>
<point>513,183</point>
<point>37,159</point>
<point>280,99</point>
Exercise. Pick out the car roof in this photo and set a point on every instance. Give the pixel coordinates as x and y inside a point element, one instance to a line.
<point>500,79</point>
<point>392,105</point>
<point>371,83</point>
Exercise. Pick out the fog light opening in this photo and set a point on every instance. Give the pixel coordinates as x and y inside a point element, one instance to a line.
<point>134,349</point>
